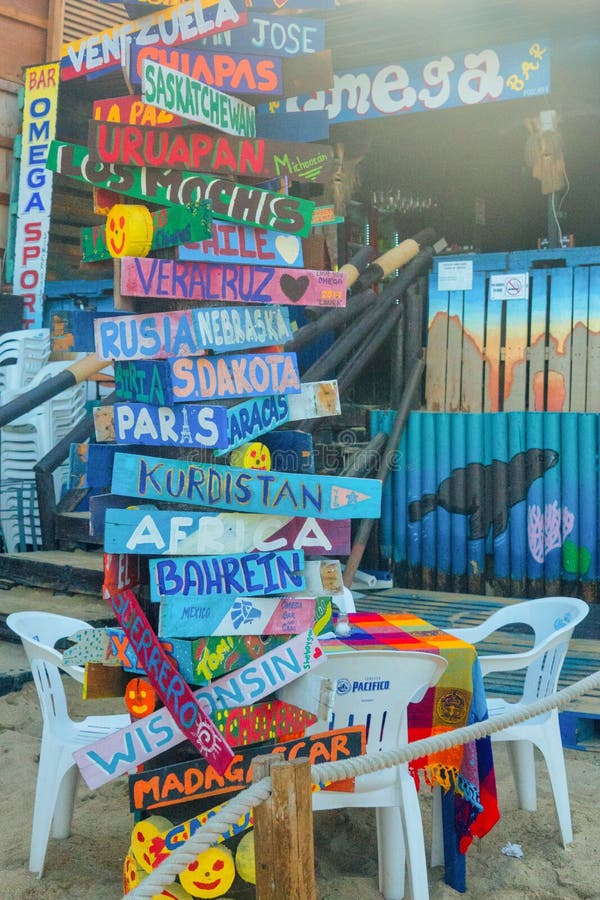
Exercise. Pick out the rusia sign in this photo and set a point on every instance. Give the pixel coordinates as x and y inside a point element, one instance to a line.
<point>186,379</point>
<point>143,740</point>
<point>156,532</point>
<point>246,490</point>
<point>195,101</point>
<point>242,615</point>
<point>194,150</point>
<point>189,717</point>
<point>177,426</point>
<point>190,332</point>
<point>230,201</point>
<point>179,280</point>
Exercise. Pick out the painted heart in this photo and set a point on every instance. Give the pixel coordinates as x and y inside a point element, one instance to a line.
<point>317,652</point>
<point>288,247</point>
<point>294,288</point>
<point>280,3</point>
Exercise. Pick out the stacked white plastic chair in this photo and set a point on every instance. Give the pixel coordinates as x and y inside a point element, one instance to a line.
<point>24,365</point>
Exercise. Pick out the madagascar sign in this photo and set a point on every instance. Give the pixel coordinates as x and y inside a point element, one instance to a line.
<point>141,741</point>
<point>230,201</point>
<point>246,490</point>
<point>251,246</point>
<point>180,24</point>
<point>194,150</point>
<point>196,101</point>
<point>224,576</point>
<point>177,426</point>
<point>181,704</point>
<point>196,780</point>
<point>188,379</point>
<point>179,280</point>
<point>154,532</point>
<point>242,615</point>
<point>190,332</point>
<point>170,227</point>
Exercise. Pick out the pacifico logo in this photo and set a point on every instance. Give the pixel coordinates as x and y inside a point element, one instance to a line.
<point>345,686</point>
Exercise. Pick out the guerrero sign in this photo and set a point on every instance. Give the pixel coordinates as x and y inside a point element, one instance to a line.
<point>204,151</point>
<point>230,201</point>
<point>461,79</point>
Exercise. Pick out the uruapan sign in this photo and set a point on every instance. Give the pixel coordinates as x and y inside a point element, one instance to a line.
<point>230,201</point>
<point>188,379</point>
<point>165,426</point>
<point>243,615</point>
<point>160,532</point>
<point>190,718</point>
<point>260,415</point>
<point>189,781</point>
<point>191,332</point>
<point>141,741</point>
<point>196,101</point>
<point>460,79</point>
<point>180,24</point>
<point>179,280</point>
<point>245,490</point>
<point>194,150</point>
<point>226,576</point>
<point>250,246</point>
<point>170,227</point>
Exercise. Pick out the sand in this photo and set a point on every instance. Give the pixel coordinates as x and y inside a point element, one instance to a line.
<point>87,865</point>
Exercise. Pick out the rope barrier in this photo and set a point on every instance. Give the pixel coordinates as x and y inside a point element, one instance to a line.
<point>208,835</point>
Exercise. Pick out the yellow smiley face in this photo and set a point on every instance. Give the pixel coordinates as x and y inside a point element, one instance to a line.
<point>132,873</point>
<point>148,843</point>
<point>129,230</point>
<point>210,875</point>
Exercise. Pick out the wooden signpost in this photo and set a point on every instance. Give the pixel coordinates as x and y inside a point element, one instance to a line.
<point>201,660</point>
<point>182,23</point>
<point>196,101</point>
<point>170,227</point>
<point>179,280</point>
<point>188,379</point>
<point>195,150</point>
<point>247,421</point>
<point>226,576</point>
<point>293,126</point>
<point>141,741</point>
<point>158,335</point>
<point>89,645</point>
<point>245,490</point>
<point>131,110</point>
<point>250,246</point>
<point>121,572</point>
<point>166,426</point>
<point>233,202</point>
<point>155,532</point>
<point>196,780</point>
<point>274,35</point>
<point>241,616</point>
<point>187,715</point>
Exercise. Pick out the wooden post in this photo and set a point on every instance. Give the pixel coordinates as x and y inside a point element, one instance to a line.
<point>283,831</point>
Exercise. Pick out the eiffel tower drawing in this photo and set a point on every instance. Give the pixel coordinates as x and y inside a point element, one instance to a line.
<point>186,434</point>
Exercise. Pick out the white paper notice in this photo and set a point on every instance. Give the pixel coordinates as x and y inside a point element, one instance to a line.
<point>509,287</point>
<point>455,275</point>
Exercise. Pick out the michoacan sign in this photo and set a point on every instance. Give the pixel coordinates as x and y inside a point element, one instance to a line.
<point>242,244</point>
<point>164,426</point>
<point>190,332</point>
<point>176,279</point>
<point>141,741</point>
<point>160,532</point>
<point>170,227</point>
<point>225,576</point>
<point>190,718</point>
<point>245,490</point>
<point>189,781</point>
<point>196,101</point>
<point>195,150</point>
<point>233,202</point>
<point>180,24</point>
<point>189,379</point>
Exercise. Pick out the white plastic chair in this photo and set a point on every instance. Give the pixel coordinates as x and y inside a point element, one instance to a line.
<point>552,620</point>
<point>61,735</point>
<point>391,791</point>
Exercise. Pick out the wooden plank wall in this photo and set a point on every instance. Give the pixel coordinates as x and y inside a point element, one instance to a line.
<point>541,353</point>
